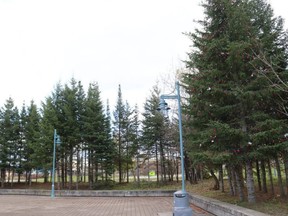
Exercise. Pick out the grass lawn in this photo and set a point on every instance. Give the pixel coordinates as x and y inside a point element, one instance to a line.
<point>266,203</point>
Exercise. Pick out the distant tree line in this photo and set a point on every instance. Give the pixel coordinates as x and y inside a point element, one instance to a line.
<point>82,123</point>
<point>93,146</point>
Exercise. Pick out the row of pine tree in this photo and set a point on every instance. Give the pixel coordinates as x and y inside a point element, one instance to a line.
<point>94,146</point>
<point>81,121</point>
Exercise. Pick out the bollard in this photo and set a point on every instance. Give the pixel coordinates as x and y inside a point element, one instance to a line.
<point>181,204</point>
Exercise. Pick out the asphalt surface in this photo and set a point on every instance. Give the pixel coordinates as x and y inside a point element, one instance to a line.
<point>18,205</point>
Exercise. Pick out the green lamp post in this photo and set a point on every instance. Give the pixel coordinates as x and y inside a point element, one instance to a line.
<point>56,141</point>
<point>181,198</point>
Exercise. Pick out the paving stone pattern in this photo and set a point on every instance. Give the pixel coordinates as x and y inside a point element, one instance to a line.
<point>18,205</point>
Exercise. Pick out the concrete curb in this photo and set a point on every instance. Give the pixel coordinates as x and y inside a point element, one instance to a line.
<point>217,207</point>
<point>210,205</point>
<point>89,193</point>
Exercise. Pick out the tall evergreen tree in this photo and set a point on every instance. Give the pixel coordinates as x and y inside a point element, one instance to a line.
<point>129,139</point>
<point>109,153</point>
<point>9,137</point>
<point>153,129</point>
<point>58,105</point>
<point>48,123</point>
<point>14,149</point>
<point>32,138</point>
<point>80,104</point>
<point>136,133</point>
<point>22,142</point>
<point>119,126</point>
<point>227,95</point>
<point>70,125</point>
<point>96,136</point>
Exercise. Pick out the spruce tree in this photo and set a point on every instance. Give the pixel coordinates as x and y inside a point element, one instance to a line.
<point>136,133</point>
<point>9,137</point>
<point>80,104</point>
<point>48,123</point>
<point>227,94</point>
<point>129,139</point>
<point>109,150</point>
<point>119,126</point>
<point>32,138</point>
<point>95,134</point>
<point>70,124</point>
<point>22,141</point>
<point>153,131</point>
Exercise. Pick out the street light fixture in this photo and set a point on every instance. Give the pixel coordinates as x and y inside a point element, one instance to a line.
<point>181,198</point>
<point>56,141</point>
<point>163,107</point>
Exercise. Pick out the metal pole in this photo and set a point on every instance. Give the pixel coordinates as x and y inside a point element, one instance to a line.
<point>53,169</point>
<point>181,198</point>
<point>180,136</point>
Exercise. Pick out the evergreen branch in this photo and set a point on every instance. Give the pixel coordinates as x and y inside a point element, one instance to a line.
<point>269,64</point>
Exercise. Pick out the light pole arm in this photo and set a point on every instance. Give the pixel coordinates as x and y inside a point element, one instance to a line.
<point>169,96</point>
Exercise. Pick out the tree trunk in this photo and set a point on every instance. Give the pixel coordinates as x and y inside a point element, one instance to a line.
<point>127,164</point>
<point>162,162</point>
<point>271,178</point>
<point>148,168</point>
<point>231,181</point>
<point>102,169</point>
<point>26,177</point>
<point>201,172</point>
<point>19,176</point>
<point>66,170</point>
<point>30,178</point>
<point>157,162</point>
<point>138,168</point>
<point>239,182</point>
<point>285,160</point>
<point>194,176</point>
<point>177,169</point>
<point>36,176</point>
<point>58,176</point>
<point>12,179</point>
<point>8,179</point>
<point>250,182</point>
<point>63,172</point>
<point>71,168</point>
<point>263,176</point>
<point>85,166</point>
<point>96,170</point>
<point>216,185</point>
<point>90,172</point>
<point>81,165</point>
<point>280,183</point>
<point>221,180</point>
<point>46,175</point>
<point>119,155</point>
<point>77,169</point>
<point>258,176</point>
<point>3,176</point>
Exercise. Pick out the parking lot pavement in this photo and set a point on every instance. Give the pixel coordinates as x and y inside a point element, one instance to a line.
<point>17,205</point>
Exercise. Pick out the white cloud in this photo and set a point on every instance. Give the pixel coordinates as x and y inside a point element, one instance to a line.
<point>128,42</point>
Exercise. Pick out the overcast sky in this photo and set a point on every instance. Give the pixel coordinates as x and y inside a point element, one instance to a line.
<point>112,42</point>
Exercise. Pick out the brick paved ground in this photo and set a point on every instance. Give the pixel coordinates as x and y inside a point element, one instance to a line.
<point>11,205</point>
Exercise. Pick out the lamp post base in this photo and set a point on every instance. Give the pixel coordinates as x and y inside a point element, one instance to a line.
<point>181,204</point>
<point>52,191</point>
